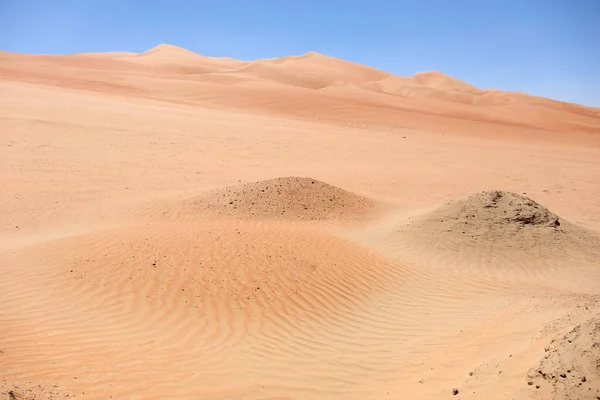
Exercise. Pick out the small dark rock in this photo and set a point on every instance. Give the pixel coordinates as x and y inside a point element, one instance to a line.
<point>455,391</point>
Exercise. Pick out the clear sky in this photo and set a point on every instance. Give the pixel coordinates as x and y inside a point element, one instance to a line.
<point>548,48</point>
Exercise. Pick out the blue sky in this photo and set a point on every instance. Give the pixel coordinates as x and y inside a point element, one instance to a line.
<point>543,47</point>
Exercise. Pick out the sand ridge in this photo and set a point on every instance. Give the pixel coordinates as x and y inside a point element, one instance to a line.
<point>355,93</point>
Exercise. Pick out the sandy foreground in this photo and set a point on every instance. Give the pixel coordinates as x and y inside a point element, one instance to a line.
<point>174,226</point>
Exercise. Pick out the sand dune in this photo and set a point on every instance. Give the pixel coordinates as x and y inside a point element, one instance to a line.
<point>438,80</point>
<point>177,59</point>
<point>160,237</point>
<point>110,54</point>
<point>311,70</point>
<point>341,70</point>
<point>413,100</point>
<point>286,76</point>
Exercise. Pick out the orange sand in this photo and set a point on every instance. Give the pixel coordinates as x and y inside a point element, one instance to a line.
<point>181,226</point>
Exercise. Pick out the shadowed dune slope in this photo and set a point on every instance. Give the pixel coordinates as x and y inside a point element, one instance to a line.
<point>289,198</point>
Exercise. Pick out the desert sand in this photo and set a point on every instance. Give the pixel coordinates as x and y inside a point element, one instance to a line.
<point>175,226</point>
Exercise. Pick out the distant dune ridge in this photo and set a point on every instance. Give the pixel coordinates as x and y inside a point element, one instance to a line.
<point>311,85</point>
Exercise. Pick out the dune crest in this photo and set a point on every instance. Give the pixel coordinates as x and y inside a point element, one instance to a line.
<point>169,50</point>
<point>441,81</point>
<point>179,60</point>
<point>311,70</point>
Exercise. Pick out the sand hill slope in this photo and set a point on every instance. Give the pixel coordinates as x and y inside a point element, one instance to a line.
<point>334,68</point>
<point>273,72</point>
<point>570,368</point>
<point>438,80</point>
<point>289,198</point>
<point>311,71</point>
<point>179,60</point>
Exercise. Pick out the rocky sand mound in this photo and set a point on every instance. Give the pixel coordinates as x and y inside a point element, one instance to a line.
<point>570,368</point>
<point>292,198</point>
<point>30,391</point>
<point>499,220</point>
<point>495,210</point>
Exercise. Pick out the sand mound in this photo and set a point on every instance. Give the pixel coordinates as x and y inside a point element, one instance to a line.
<point>570,368</point>
<point>290,198</point>
<point>29,391</point>
<point>498,220</point>
<point>499,209</point>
